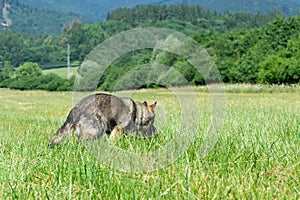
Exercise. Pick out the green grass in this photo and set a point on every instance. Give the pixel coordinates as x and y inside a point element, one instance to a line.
<point>62,72</point>
<point>256,156</point>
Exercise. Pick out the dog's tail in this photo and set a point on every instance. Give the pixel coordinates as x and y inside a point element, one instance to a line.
<point>62,132</point>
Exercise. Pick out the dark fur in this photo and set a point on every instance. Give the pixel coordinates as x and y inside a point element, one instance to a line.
<point>101,113</point>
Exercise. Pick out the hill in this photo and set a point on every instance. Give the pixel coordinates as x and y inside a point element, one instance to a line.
<point>24,19</point>
<point>184,17</point>
<point>244,51</point>
<point>97,10</point>
<point>46,17</point>
<point>51,51</point>
<point>288,7</point>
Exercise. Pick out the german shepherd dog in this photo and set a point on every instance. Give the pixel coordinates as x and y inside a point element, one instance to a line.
<point>101,113</point>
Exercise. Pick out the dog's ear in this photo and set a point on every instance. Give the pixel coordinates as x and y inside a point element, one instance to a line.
<point>152,107</point>
<point>145,103</point>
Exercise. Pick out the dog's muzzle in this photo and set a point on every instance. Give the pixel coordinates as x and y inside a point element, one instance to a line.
<point>150,132</point>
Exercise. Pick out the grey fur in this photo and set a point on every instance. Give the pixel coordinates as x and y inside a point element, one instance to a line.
<point>101,113</point>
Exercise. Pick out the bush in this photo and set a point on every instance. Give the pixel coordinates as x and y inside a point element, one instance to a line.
<point>270,70</point>
<point>50,82</point>
<point>28,69</point>
<point>6,83</point>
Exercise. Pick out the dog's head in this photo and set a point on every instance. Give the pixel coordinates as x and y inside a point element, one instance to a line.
<point>146,120</point>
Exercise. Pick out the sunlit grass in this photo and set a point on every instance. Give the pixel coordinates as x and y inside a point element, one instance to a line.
<point>62,72</point>
<point>256,156</point>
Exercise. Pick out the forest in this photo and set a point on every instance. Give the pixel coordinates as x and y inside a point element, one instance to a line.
<point>97,10</point>
<point>27,20</point>
<point>247,48</point>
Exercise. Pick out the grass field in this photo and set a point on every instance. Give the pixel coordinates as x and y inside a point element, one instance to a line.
<point>255,157</point>
<point>62,72</point>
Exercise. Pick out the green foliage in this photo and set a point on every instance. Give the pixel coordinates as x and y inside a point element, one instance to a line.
<point>92,10</point>
<point>243,51</point>
<point>7,71</point>
<point>253,6</point>
<point>26,83</point>
<point>259,55</point>
<point>17,49</point>
<point>28,69</point>
<point>50,82</point>
<point>290,72</point>
<point>270,70</point>
<point>186,17</point>
<point>48,17</point>
<point>29,77</point>
<point>29,20</point>
<point>97,10</point>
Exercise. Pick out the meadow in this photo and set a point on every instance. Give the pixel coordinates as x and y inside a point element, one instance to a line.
<point>255,157</point>
<point>62,72</point>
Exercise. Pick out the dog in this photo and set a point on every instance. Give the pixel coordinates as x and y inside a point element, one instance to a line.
<point>102,113</point>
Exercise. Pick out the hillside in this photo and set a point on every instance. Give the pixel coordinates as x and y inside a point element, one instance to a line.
<point>288,7</point>
<point>184,17</point>
<point>23,19</point>
<point>46,17</point>
<point>51,51</point>
<point>243,51</point>
<point>97,10</point>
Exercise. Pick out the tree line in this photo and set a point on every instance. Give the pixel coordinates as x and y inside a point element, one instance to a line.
<point>247,48</point>
<point>29,76</point>
<point>270,54</point>
<point>195,15</point>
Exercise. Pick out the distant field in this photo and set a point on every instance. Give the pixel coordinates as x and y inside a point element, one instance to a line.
<point>256,156</point>
<point>62,72</point>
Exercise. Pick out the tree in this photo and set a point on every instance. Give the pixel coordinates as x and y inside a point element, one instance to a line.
<point>270,70</point>
<point>290,71</point>
<point>28,69</point>
<point>7,71</point>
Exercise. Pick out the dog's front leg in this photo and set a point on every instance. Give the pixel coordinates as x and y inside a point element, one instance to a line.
<point>115,133</point>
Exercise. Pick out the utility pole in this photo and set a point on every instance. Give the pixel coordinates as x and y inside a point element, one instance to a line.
<point>132,52</point>
<point>68,60</point>
<point>2,62</point>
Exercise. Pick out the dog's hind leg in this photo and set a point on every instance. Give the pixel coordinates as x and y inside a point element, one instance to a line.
<point>89,127</point>
<point>61,134</point>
